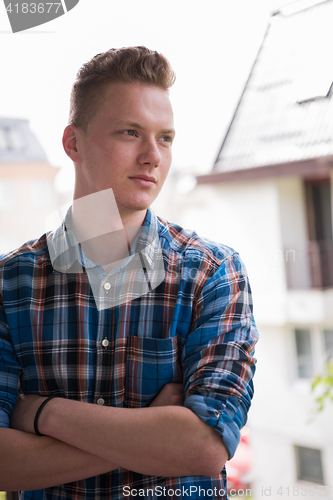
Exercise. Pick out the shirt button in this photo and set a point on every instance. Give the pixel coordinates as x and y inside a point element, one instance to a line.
<point>100,401</point>
<point>105,342</point>
<point>107,286</point>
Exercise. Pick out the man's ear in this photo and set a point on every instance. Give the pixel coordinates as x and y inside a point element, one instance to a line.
<point>70,141</point>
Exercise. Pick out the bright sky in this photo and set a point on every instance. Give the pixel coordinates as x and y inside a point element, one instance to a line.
<point>211,45</point>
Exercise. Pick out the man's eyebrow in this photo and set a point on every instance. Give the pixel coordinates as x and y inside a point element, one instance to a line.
<point>130,124</point>
<point>137,125</point>
<point>169,131</point>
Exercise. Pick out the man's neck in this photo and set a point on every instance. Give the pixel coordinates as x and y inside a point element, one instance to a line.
<point>105,233</point>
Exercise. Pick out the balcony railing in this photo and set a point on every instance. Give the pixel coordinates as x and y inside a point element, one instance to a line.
<point>311,267</point>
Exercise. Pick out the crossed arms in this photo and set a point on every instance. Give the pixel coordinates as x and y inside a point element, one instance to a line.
<point>85,440</point>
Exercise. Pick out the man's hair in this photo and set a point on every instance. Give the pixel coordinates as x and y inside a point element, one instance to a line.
<point>128,65</point>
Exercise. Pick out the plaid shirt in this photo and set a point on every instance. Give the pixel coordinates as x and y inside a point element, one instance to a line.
<point>196,326</point>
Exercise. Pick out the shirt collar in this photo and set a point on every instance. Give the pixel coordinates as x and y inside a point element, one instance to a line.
<point>147,241</point>
<point>67,256</point>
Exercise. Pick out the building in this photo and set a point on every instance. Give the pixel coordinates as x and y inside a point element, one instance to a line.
<point>269,195</point>
<point>27,194</point>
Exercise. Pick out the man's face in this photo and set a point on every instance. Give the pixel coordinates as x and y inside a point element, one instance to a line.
<point>127,146</point>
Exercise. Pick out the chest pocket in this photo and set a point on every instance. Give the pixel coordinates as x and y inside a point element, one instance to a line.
<point>150,365</point>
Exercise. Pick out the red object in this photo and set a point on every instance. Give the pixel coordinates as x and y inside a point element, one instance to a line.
<point>239,467</point>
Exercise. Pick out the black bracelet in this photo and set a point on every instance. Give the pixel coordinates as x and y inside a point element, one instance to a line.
<point>39,411</point>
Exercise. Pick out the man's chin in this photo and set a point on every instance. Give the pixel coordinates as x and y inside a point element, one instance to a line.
<point>133,210</point>
<point>139,205</point>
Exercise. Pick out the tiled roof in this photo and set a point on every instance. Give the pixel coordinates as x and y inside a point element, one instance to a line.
<point>286,111</point>
<point>18,143</point>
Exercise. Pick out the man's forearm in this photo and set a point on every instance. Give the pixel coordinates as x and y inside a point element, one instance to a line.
<point>30,462</point>
<point>159,441</point>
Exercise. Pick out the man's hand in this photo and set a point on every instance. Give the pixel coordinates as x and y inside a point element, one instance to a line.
<point>23,414</point>
<point>170,395</point>
<point>186,447</point>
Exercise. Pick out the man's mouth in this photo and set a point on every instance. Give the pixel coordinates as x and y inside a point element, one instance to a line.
<point>144,180</point>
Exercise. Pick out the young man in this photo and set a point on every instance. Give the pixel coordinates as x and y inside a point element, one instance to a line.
<point>151,375</point>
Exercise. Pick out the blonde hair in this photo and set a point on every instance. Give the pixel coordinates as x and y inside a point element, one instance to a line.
<point>128,65</point>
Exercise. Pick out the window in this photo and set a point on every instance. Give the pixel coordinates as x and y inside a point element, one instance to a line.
<point>328,345</point>
<point>313,349</point>
<point>319,219</point>
<point>304,353</point>
<point>11,139</point>
<point>3,140</point>
<point>319,207</point>
<point>309,464</point>
<point>15,140</point>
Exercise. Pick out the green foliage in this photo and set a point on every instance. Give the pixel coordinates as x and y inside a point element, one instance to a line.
<point>323,385</point>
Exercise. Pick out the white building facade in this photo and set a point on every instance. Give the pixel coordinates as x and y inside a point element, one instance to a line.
<point>270,196</point>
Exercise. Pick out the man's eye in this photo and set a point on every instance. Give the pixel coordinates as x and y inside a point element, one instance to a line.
<point>166,138</point>
<point>130,132</point>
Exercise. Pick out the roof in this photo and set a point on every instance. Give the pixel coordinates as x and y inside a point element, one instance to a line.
<point>285,113</point>
<point>18,143</point>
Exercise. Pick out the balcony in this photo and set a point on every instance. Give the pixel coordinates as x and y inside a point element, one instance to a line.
<point>311,266</point>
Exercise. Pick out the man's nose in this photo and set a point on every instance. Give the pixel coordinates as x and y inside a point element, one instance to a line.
<point>150,154</point>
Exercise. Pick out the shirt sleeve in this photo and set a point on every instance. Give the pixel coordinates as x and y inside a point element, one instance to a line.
<point>218,355</point>
<point>9,371</point>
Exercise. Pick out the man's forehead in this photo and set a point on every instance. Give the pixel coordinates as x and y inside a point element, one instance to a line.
<point>129,104</point>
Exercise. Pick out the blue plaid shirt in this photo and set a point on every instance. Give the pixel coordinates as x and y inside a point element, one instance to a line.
<point>196,326</point>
